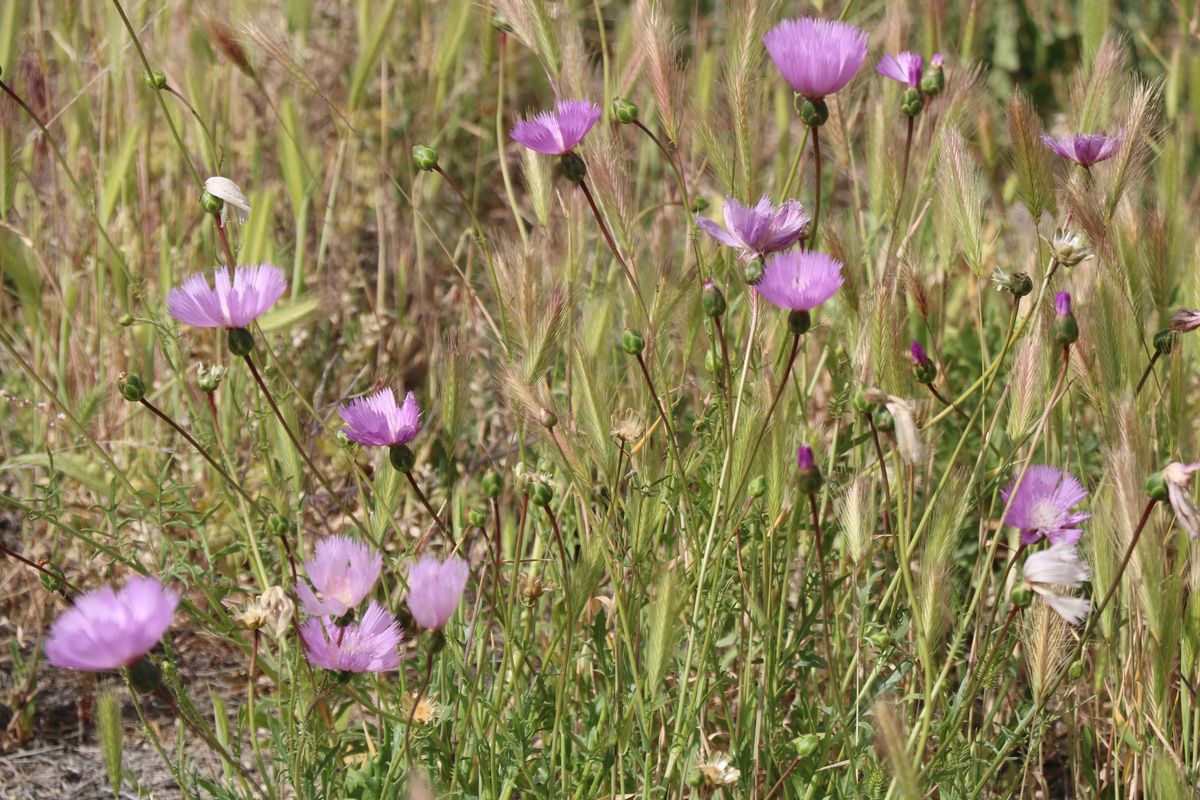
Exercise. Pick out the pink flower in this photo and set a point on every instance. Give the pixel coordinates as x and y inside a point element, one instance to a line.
<point>800,281</point>
<point>760,230</point>
<point>106,629</point>
<point>377,421</point>
<point>918,355</point>
<point>817,57</point>
<point>343,574</point>
<point>1062,304</point>
<point>1084,149</point>
<point>228,304</point>
<point>1042,505</point>
<point>434,590</point>
<point>369,646</point>
<point>556,133</point>
<point>905,68</point>
<point>1185,320</point>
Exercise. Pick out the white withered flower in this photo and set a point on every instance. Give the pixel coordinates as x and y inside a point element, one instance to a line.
<point>1178,478</point>
<point>718,770</point>
<point>227,190</point>
<point>1059,565</point>
<point>908,436</point>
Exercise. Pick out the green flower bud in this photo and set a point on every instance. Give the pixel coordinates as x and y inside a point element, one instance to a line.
<point>1020,284</point>
<point>1076,670</point>
<point>814,113</point>
<point>712,301</point>
<point>632,342</point>
<point>1164,341</point>
<point>758,486</point>
<point>934,81</point>
<point>1066,330</point>
<point>53,584</point>
<point>625,111</point>
<point>493,484</point>
<point>125,320</point>
<point>880,638</point>
<point>541,494</point>
<point>426,158</point>
<point>799,322</point>
<point>209,378</point>
<point>883,419</point>
<point>241,342</point>
<point>211,203</point>
<point>401,457</point>
<point>807,744</point>
<point>278,525</point>
<point>144,676</point>
<point>911,102</point>
<point>573,167</point>
<point>1156,487</point>
<point>131,387</point>
<point>753,272</point>
<point>476,518</point>
<point>156,80</point>
<point>699,204</point>
<point>713,362</point>
<point>695,778</point>
<point>860,402</point>
<point>548,418</point>
<point>1021,596</point>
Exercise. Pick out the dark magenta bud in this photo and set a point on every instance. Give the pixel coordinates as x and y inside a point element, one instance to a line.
<point>810,474</point>
<point>923,367</point>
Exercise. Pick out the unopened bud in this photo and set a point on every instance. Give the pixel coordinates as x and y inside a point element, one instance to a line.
<point>1076,670</point>
<point>924,370</point>
<point>144,676</point>
<point>625,111</point>
<point>753,272</point>
<point>934,81</point>
<point>814,113</point>
<point>807,744</point>
<point>799,322</point>
<point>911,102</point>
<point>241,342</point>
<point>278,525</point>
<point>573,167</point>
<point>860,402</point>
<point>712,301</point>
<point>884,420</point>
<point>541,494</point>
<point>476,518</point>
<point>1066,330</point>
<point>493,484</point>
<point>699,204</point>
<point>810,474</point>
<point>548,418</point>
<point>402,457</point>
<point>1156,487</point>
<point>426,158</point>
<point>1164,341</point>
<point>131,387</point>
<point>632,342</point>
<point>1021,596</point>
<point>156,80</point>
<point>125,320</point>
<point>757,487</point>
<point>880,638</point>
<point>713,362</point>
<point>211,203</point>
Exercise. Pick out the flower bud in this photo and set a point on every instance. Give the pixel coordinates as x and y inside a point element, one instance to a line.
<point>125,320</point>
<point>814,113</point>
<point>1164,340</point>
<point>934,81</point>
<point>131,387</point>
<point>699,204</point>
<point>884,421</point>
<point>695,779</point>
<point>807,744</point>
<point>713,362</point>
<point>209,378</point>
<point>501,22</point>
<point>548,418</point>
<point>156,80</point>
<point>757,487</point>
<point>880,638</point>
<point>278,525</point>
<point>911,102</point>
<point>426,158</point>
<point>241,342</point>
<point>53,584</point>
<point>924,370</point>
<point>1066,330</point>
<point>625,111</point>
<point>493,484</point>
<point>573,167</point>
<point>1075,671</point>
<point>541,494</point>
<point>211,203</point>
<point>632,342</point>
<point>1018,283</point>
<point>402,457</point>
<point>144,676</point>
<point>810,474</point>
<point>799,322</point>
<point>1156,487</point>
<point>1021,596</point>
<point>476,518</point>
<point>860,402</point>
<point>753,272</point>
<point>712,301</point>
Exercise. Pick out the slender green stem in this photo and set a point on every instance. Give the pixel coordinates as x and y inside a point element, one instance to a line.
<point>903,174</point>
<point>428,507</point>
<point>665,418</point>
<point>887,494</point>
<point>758,440</point>
<point>51,575</point>
<point>816,217</point>
<point>1146,374</point>
<point>612,245</point>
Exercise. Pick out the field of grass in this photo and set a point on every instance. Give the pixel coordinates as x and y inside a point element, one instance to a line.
<point>666,597</point>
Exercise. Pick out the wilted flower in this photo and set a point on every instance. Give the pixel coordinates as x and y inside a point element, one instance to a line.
<point>279,609</point>
<point>1068,248</point>
<point>1059,565</point>
<point>1178,478</point>
<point>800,281</point>
<point>369,646</point>
<point>905,68</point>
<point>422,709</point>
<point>817,57</point>
<point>227,191</point>
<point>1018,283</point>
<point>434,590</point>
<point>343,574</point>
<point>1042,505</point>
<point>108,629</point>
<point>718,770</point>
<point>209,378</point>
<point>532,587</point>
<point>627,426</point>
<point>1084,149</point>
<point>761,230</point>
<point>227,304</point>
<point>1185,320</point>
<point>557,132</point>
<point>378,421</point>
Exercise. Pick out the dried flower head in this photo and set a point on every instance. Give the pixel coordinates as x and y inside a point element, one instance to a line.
<point>761,230</point>
<point>817,57</point>
<point>108,629</point>
<point>557,132</point>
<point>434,590</point>
<point>378,421</point>
<point>1059,565</point>
<point>532,587</point>
<point>368,646</point>
<point>800,281</point>
<point>1041,506</point>
<point>423,709</point>
<point>228,303</point>
<point>905,68</point>
<point>227,191</point>
<point>1178,477</point>
<point>1185,320</point>
<point>1085,149</point>
<point>343,573</point>
<point>628,426</point>
<point>718,770</point>
<point>1068,249</point>
<point>278,608</point>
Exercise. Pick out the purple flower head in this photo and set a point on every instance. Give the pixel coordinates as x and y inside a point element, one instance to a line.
<point>343,573</point>
<point>227,304</point>
<point>369,646</point>
<point>556,133</point>
<point>937,61</point>
<point>760,230</point>
<point>106,629</point>
<point>905,68</point>
<point>378,421</point>
<point>918,354</point>
<point>1042,506</point>
<point>800,281</point>
<point>817,57</point>
<point>434,589</point>
<point>1062,304</point>
<point>1084,149</point>
<point>1185,320</point>
<point>804,458</point>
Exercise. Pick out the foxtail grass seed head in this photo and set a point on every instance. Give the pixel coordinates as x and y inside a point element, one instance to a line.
<point>924,370</point>
<point>761,230</point>
<point>435,589</point>
<point>379,421</point>
<point>1068,249</point>
<point>1043,505</point>
<point>1059,565</point>
<point>711,300</point>
<point>934,82</point>
<point>228,303</point>
<point>632,342</point>
<point>1178,479</point>
<point>131,387</point>
<point>370,645</point>
<point>799,281</point>
<point>492,484</point>
<point>341,574</point>
<point>1066,330</point>
<point>557,132</point>
<point>1085,149</point>
<point>810,474</point>
<point>426,158</point>
<point>209,378</point>
<point>625,111</point>
<point>111,734</point>
<point>107,629</point>
<point>226,193</point>
<point>1185,320</point>
<point>1164,341</point>
<point>1018,284</point>
<point>817,57</point>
